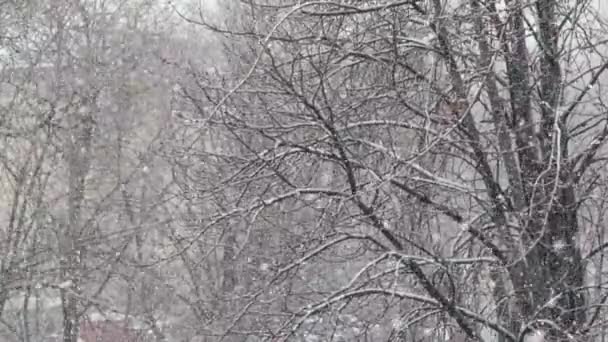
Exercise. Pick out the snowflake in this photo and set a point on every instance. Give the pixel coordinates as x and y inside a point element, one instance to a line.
<point>397,324</point>
<point>552,302</point>
<point>559,245</point>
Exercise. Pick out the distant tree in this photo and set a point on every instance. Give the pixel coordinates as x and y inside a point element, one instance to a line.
<point>82,111</point>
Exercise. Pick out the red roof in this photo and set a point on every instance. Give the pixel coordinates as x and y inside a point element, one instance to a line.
<point>108,331</point>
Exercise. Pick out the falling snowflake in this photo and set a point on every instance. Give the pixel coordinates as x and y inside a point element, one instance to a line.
<point>397,324</point>
<point>552,302</point>
<point>559,245</point>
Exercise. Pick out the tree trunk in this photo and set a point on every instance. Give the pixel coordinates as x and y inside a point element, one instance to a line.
<point>548,279</point>
<point>545,266</point>
<point>79,149</point>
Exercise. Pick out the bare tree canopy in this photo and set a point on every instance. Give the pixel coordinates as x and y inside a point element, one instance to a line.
<point>238,170</point>
<point>436,166</point>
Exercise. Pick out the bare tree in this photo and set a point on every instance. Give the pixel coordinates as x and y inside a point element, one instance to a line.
<point>455,150</point>
<point>81,117</point>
